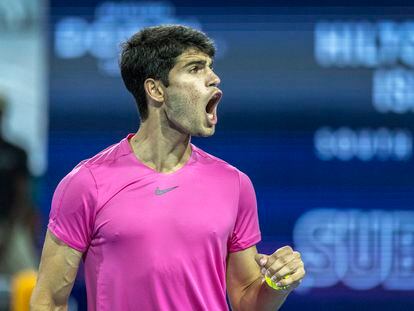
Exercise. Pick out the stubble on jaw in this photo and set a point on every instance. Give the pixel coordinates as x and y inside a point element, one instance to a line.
<point>184,109</point>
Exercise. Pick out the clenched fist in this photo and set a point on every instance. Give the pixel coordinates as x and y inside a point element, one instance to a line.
<point>284,267</point>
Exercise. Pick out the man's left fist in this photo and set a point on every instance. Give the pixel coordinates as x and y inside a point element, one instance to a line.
<point>284,267</point>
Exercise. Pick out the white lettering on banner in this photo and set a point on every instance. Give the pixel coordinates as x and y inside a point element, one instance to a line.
<point>361,249</point>
<point>393,90</point>
<point>364,44</point>
<point>365,144</point>
<point>385,45</point>
<point>114,23</point>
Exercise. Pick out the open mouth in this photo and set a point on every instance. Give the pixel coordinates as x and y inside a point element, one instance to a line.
<point>213,102</point>
<point>211,107</point>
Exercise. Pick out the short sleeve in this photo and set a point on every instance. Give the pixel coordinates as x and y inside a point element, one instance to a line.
<point>72,213</point>
<point>246,230</point>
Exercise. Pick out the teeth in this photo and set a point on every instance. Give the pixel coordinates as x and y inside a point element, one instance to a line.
<point>210,116</point>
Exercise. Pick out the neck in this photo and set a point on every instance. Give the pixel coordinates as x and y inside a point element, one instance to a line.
<point>160,146</point>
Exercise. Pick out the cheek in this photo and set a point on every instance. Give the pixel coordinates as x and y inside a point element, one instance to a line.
<point>195,99</point>
<point>186,99</point>
<point>191,90</point>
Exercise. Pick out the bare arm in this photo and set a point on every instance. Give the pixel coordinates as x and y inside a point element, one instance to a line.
<point>245,285</point>
<point>57,272</point>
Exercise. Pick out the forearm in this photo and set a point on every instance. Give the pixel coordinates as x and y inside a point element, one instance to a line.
<point>43,300</point>
<point>47,305</point>
<point>260,297</point>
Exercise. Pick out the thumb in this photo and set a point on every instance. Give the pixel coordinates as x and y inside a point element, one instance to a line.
<point>261,259</point>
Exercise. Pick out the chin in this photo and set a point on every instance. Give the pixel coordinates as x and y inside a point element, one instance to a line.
<point>206,132</point>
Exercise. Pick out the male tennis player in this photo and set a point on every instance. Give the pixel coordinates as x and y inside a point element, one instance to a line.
<point>159,223</point>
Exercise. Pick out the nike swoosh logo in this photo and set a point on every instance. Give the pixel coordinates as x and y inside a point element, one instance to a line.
<point>158,191</point>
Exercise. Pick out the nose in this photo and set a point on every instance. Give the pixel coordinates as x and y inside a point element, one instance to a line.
<point>214,79</point>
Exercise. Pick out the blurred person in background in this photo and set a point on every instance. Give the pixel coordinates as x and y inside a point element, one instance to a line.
<point>17,214</point>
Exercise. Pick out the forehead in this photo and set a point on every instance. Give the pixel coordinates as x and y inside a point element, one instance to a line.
<point>192,55</point>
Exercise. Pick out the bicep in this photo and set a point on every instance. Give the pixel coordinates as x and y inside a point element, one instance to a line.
<point>242,271</point>
<point>57,271</point>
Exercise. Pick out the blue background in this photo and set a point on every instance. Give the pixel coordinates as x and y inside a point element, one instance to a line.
<point>275,97</point>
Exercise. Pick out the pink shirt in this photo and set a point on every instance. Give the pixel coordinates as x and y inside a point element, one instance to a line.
<point>155,241</point>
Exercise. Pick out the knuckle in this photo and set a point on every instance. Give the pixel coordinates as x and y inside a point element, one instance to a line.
<point>270,261</point>
<point>281,279</point>
<point>284,249</point>
<point>293,264</point>
<point>286,271</point>
<point>273,259</point>
<point>279,267</point>
<point>300,273</point>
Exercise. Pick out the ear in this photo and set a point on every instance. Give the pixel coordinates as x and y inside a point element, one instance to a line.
<point>154,90</point>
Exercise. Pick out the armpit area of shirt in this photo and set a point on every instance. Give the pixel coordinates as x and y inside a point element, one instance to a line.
<point>246,243</point>
<point>62,237</point>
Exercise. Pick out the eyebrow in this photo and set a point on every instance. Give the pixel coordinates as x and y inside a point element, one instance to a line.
<point>197,62</point>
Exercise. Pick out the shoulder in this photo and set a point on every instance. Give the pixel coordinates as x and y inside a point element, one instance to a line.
<point>78,181</point>
<point>220,164</point>
<point>83,174</point>
<point>14,149</point>
<point>9,145</point>
<point>104,159</point>
<point>108,156</point>
<point>13,157</point>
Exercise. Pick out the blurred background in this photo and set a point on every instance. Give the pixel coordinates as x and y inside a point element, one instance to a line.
<point>317,109</point>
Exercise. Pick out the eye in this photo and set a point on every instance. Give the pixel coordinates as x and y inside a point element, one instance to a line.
<point>196,69</point>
